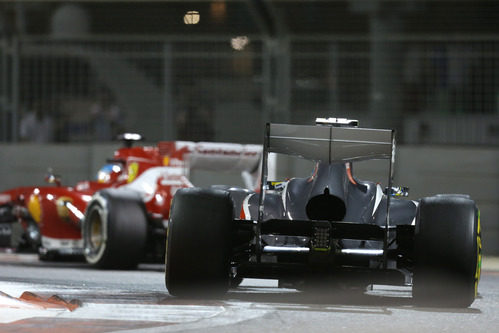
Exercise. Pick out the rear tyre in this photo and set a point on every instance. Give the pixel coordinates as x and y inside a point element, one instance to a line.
<point>198,249</point>
<point>114,230</point>
<point>447,252</point>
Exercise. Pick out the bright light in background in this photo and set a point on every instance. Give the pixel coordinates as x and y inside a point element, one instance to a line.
<point>239,43</point>
<point>191,17</point>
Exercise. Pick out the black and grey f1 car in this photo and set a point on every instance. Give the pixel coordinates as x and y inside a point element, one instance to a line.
<point>329,227</point>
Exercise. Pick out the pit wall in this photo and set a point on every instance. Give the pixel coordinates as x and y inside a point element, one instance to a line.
<point>426,170</point>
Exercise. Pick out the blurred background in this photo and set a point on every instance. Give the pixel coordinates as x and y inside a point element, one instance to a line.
<point>201,69</point>
<point>74,74</point>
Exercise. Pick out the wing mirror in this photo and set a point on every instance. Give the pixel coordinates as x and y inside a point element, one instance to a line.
<point>397,191</point>
<point>52,178</point>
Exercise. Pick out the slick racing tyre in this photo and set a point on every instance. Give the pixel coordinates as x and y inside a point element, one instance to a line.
<point>198,246</point>
<point>114,230</point>
<point>447,251</point>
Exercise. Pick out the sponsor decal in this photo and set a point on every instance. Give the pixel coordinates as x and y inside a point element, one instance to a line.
<point>221,151</point>
<point>35,208</point>
<point>277,186</point>
<point>133,171</point>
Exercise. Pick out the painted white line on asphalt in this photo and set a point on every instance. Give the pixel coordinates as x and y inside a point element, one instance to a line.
<point>10,315</point>
<point>15,289</point>
<point>11,257</point>
<point>233,314</point>
<point>145,312</point>
<point>12,302</point>
<point>123,312</point>
<point>12,311</point>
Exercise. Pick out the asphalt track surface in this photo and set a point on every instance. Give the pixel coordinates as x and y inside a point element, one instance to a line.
<point>89,300</point>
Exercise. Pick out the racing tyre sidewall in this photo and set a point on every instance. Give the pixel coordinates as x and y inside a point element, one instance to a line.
<point>198,249</point>
<point>114,230</point>
<point>447,252</point>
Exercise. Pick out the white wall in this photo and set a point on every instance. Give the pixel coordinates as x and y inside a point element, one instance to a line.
<point>469,170</point>
<point>27,164</point>
<point>426,170</point>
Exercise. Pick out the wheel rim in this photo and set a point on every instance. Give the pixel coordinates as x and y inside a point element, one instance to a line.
<point>96,232</point>
<point>95,235</point>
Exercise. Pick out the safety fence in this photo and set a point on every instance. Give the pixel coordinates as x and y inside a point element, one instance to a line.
<point>431,89</point>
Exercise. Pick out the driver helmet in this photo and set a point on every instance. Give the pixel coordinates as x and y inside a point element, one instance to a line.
<point>109,173</point>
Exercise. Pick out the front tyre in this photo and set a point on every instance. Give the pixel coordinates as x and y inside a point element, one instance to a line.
<point>447,252</point>
<point>114,230</point>
<point>198,249</point>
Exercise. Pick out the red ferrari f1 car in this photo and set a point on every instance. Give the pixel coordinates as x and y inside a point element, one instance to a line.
<point>120,219</point>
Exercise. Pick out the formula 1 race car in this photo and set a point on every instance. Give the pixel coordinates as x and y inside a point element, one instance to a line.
<point>120,219</point>
<point>329,229</point>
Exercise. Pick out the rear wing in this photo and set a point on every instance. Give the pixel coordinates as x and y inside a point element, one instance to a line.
<point>217,156</point>
<point>329,144</point>
<point>214,156</point>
